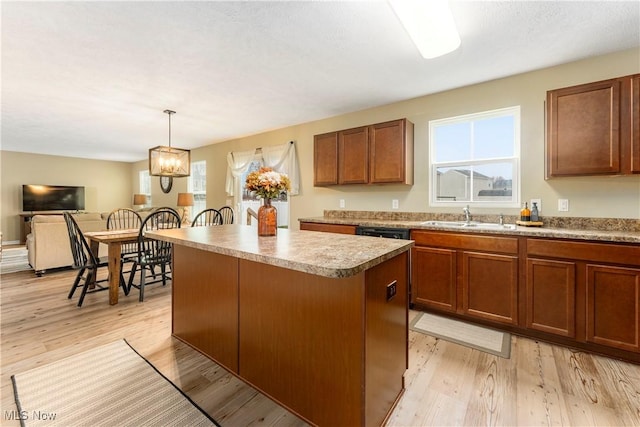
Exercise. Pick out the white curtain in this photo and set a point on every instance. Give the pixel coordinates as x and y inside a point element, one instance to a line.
<point>237,164</point>
<point>283,159</point>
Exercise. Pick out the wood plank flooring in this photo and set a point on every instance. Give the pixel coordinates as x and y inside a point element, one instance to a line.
<point>447,384</point>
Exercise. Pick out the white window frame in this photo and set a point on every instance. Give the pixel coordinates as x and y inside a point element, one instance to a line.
<point>197,207</point>
<point>515,160</point>
<point>144,185</point>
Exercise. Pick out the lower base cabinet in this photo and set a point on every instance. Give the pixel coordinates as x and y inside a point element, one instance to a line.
<point>471,275</point>
<point>434,278</point>
<point>587,292</point>
<point>490,286</point>
<point>578,293</point>
<point>551,289</point>
<point>613,306</point>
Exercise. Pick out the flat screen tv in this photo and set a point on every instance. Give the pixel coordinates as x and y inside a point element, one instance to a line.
<point>52,198</point>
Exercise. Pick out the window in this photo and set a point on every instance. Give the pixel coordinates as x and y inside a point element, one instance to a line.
<point>475,159</point>
<point>145,185</point>
<point>197,184</point>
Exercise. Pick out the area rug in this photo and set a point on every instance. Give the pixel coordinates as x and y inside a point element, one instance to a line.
<point>463,333</point>
<point>14,260</point>
<point>110,385</point>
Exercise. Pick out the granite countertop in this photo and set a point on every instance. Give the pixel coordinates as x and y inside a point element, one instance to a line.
<point>323,254</point>
<point>580,230</point>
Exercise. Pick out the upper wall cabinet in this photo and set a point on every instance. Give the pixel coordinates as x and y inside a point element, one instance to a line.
<point>593,129</point>
<point>375,154</point>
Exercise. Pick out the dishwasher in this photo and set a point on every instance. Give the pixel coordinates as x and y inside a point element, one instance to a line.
<point>391,233</point>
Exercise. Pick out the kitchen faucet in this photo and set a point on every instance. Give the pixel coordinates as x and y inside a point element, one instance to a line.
<point>467,214</point>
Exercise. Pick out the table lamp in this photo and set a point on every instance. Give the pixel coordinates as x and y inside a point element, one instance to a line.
<point>139,199</point>
<point>184,201</point>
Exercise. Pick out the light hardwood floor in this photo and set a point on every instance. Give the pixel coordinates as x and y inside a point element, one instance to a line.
<point>447,384</point>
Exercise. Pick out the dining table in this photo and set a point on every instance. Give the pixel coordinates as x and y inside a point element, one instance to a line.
<point>114,239</point>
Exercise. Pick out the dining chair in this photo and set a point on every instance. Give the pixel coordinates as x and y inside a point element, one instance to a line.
<point>153,253</point>
<point>123,219</point>
<point>208,217</point>
<point>86,263</point>
<point>227,214</point>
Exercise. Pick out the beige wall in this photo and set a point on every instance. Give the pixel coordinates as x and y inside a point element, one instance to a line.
<point>617,197</point>
<point>107,184</point>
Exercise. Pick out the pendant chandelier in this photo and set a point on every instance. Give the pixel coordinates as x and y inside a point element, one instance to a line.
<point>168,160</point>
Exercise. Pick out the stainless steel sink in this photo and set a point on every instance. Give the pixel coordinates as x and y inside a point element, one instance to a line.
<point>472,225</point>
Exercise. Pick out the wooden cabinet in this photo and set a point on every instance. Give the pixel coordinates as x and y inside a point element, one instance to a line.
<point>330,228</point>
<point>353,156</point>
<point>331,349</point>
<point>579,293</point>
<point>592,129</point>
<point>586,291</point>
<point>471,275</point>
<point>550,290</point>
<point>434,278</point>
<point>613,306</point>
<point>375,154</point>
<point>490,286</point>
<point>391,152</point>
<point>634,130</point>
<point>325,159</point>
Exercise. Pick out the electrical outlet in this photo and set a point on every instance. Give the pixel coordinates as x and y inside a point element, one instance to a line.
<point>563,205</point>
<point>538,203</point>
<point>392,289</point>
<point>394,204</point>
<point>342,204</point>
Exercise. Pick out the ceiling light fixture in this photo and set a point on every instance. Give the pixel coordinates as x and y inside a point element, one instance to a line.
<point>430,25</point>
<point>167,160</point>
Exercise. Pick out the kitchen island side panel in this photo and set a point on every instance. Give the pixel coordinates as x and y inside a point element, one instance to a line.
<point>387,335</point>
<point>302,341</point>
<point>205,303</point>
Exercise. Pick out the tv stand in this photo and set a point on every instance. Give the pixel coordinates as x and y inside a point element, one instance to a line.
<point>25,219</point>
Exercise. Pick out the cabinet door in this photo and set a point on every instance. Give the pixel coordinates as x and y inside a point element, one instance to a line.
<point>583,129</point>
<point>635,124</point>
<point>490,286</point>
<point>353,158</point>
<point>434,278</point>
<point>390,159</point>
<point>613,306</point>
<point>551,287</point>
<point>325,159</point>
<point>328,228</point>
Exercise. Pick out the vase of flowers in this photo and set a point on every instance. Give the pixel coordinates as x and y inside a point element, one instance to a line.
<point>267,184</point>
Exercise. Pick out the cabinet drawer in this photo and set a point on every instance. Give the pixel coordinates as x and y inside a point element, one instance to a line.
<point>329,228</point>
<point>585,251</point>
<point>488,243</point>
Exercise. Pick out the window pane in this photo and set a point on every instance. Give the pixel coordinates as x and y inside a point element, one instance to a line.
<point>493,182</point>
<point>493,137</point>
<point>453,184</point>
<point>452,142</point>
<point>197,184</point>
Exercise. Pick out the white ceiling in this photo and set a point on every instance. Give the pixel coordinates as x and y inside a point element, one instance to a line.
<point>91,79</point>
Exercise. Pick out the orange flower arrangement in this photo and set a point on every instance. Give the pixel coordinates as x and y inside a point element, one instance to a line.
<point>267,183</point>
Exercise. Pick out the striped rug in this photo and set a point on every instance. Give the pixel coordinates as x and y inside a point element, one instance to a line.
<point>110,385</point>
<point>14,260</point>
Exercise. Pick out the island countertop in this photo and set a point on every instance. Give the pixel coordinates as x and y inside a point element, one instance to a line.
<point>323,254</point>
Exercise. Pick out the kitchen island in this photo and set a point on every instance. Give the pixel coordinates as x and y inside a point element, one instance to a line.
<point>316,321</point>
